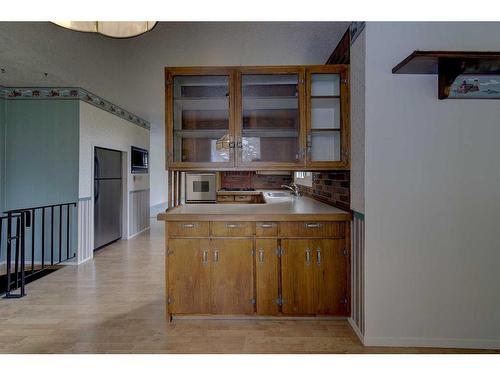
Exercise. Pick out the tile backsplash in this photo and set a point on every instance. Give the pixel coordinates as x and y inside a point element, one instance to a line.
<point>331,187</point>
<point>250,179</point>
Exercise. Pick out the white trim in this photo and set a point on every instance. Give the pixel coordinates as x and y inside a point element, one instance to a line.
<point>432,343</point>
<point>356,330</point>
<point>136,234</point>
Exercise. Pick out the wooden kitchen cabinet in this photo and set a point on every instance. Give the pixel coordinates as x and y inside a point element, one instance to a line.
<point>267,276</point>
<point>210,276</point>
<point>232,276</point>
<point>265,267</point>
<point>257,118</point>
<point>327,117</point>
<point>189,276</point>
<point>315,276</point>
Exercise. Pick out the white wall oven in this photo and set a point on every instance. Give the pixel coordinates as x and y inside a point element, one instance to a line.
<point>200,188</point>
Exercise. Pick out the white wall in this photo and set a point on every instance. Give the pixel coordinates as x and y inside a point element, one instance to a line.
<point>432,198</point>
<point>357,98</point>
<point>99,128</point>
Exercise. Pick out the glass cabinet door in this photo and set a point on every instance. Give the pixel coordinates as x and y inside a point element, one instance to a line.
<point>326,137</point>
<point>200,120</point>
<point>270,118</point>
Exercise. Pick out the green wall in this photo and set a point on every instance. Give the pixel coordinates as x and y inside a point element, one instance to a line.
<point>41,152</point>
<point>41,164</point>
<point>2,156</point>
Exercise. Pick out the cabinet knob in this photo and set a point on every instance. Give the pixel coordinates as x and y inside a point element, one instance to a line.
<point>216,256</point>
<point>204,258</point>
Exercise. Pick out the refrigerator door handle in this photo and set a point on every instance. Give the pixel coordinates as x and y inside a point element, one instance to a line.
<point>96,167</point>
<point>96,190</point>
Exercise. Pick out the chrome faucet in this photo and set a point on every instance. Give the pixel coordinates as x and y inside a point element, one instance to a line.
<point>293,187</point>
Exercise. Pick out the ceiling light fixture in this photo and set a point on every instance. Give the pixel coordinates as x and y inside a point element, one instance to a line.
<point>120,29</point>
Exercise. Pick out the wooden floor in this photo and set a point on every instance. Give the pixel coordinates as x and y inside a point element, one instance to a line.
<point>115,304</point>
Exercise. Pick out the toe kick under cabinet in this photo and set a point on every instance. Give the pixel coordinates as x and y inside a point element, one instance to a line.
<point>267,268</point>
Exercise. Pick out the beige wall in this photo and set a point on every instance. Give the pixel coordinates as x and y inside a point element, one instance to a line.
<point>432,198</point>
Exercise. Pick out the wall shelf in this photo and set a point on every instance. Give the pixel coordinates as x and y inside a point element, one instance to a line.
<point>462,74</point>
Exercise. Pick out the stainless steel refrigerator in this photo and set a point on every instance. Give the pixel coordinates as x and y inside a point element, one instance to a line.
<point>107,196</point>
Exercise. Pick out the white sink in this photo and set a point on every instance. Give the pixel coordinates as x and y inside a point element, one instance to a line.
<point>278,195</point>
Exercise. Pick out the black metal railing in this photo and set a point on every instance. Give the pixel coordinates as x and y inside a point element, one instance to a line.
<point>45,231</point>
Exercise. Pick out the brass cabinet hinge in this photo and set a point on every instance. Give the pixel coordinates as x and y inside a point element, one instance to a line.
<point>170,300</point>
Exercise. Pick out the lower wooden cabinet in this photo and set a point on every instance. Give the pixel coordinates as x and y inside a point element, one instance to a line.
<point>267,276</point>
<point>188,276</point>
<point>210,276</point>
<point>241,270</point>
<point>231,276</point>
<point>314,276</point>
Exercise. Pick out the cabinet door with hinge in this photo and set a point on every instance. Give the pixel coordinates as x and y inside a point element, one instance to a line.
<point>297,275</point>
<point>270,117</point>
<point>231,276</point>
<point>188,276</point>
<point>267,276</point>
<point>331,263</point>
<point>327,97</point>
<point>199,117</point>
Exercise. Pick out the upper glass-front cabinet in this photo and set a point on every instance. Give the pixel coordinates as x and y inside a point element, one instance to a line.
<point>327,120</point>
<point>199,112</point>
<point>257,117</point>
<point>269,117</point>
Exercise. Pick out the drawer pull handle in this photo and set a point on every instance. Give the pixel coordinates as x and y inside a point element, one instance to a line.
<point>216,255</point>
<point>261,256</point>
<point>308,256</point>
<point>267,225</point>
<point>204,259</point>
<point>191,225</point>
<point>312,225</point>
<point>232,226</point>
<point>318,255</point>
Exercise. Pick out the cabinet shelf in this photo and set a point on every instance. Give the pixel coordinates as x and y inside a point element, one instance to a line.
<point>247,133</point>
<point>461,74</point>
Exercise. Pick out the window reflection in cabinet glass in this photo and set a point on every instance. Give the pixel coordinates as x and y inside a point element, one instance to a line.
<point>201,118</point>
<point>325,84</point>
<point>270,123</point>
<point>325,145</point>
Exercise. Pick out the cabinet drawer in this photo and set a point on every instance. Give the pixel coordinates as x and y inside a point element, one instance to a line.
<point>231,228</point>
<point>266,228</point>
<point>242,198</point>
<point>225,198</point>
<point>187,229</point>
<point>312,229</point>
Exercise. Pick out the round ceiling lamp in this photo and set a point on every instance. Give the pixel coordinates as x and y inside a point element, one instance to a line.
<point>119,29</point>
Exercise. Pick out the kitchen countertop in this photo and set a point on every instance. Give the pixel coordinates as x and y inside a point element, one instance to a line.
<point>285,209</point>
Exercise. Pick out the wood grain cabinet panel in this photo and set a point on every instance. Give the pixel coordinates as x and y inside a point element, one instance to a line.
<point>266,228</point>
<point>267,276</point>
<point>231,276</point>
<point>331,277</point>
<point>232,228</point>
<point>312,229</point>
<point>297,277</point>
<point>188,276</point>
<point>187,228</point>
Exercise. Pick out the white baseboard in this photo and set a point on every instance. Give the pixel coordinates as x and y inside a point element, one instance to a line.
<point>136,234</point>
<point>356,330</point>
<point>432,343</point>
